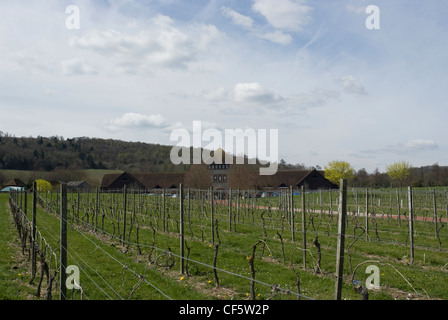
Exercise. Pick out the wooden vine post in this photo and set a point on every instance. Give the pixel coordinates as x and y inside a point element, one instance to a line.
<point>367,214</point>
<point>303,227</point>
<point>212,214</point>
<point>411,224</point>
<point>182,240</point>
<point>291,207</point>
<point>341,238</point>
<point>435,212</point>
<point>33,233</point>
<point>63,243</point>
<point>124,213</point>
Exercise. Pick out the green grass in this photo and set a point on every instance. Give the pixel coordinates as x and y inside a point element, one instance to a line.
<point>102,260</point>
<point>13,269</point>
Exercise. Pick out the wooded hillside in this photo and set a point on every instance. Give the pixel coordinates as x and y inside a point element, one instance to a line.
<point>66,155</point>
<point>47,154</point>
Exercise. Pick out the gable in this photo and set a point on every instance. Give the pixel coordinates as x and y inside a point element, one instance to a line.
<point>118,181</point>
<point>315,180</point>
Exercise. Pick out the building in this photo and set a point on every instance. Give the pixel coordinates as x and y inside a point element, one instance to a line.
<point>117,181</point>
<point>225,171</point>
<point>17,183</point>
<point>78,185</point>
<point>222,172</point>
<point>222,176</point>
<point>156,180</point>
<point>142,181</point>
<point>310,179</point>
<point>10,188</point>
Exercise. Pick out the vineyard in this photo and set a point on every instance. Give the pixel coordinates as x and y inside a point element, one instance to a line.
<point>186,244</point>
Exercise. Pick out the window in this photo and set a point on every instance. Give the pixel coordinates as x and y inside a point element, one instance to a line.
<point>215,178</point>
<point>220,178</point>
<point>224,178</point>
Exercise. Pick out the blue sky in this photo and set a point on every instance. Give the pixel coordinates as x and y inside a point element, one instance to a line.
<point>137,70</point>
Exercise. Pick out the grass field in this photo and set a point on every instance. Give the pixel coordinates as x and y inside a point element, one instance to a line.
<point>138,257</point>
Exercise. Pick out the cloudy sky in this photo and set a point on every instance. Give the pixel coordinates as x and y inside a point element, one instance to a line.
<point>137,70</point>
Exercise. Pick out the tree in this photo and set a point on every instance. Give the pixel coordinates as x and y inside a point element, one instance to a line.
<point>399,171</point>
<point>198,177</point>
<point>2,176</point>
<point>242,176</point>
<point>43,185</point>
<point>337,170</point>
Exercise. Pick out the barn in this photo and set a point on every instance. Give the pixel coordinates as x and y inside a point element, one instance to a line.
<point>310,179</point>
<point>117,181</point>
<point>15,183</point>
<point>78,185</point>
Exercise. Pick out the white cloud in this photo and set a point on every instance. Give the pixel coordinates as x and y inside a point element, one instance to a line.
<point>420,144</point>
<point>314,99</point>
<point>31,60</point>
<point>277,37</point>
<point>219,94</point>
<point>355,9</point>
<point>238,18</point>
<point>399,148</point>
<point>77,67</point>
<point>352,85</point>
<point>291,15</point>
<point>136,121</point>
<point>163,44</point>
<point>181,61</point>
<point>255,93</point>
<point>249,93</point>
<point>208,35</point>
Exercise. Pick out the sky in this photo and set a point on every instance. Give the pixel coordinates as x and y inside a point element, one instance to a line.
<point>337,82</point>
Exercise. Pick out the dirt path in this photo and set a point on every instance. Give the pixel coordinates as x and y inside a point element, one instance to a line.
<point>361,214</point>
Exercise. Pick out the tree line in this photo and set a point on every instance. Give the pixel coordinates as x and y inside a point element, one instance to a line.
<point>57,153</point>
<point>398,174</point>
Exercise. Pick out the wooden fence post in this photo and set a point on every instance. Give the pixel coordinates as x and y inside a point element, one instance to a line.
<point>33,233</point>
<point>230,209</point>
<point>124,214</point>
<point>238,209</point>
<point>78,205</point>
<point>302,191</point>
<point>164,207</point>
<point>411,224</point>
<point>63,242</point>
<point>212,214</point>
<point>399,206</point>
<point>96,208</point>
<point>291,207</point>
<point>181,218</point>
<point>435,213</point>
<point>367,214</point>
<point>25,208</point>
<point>341,238</point>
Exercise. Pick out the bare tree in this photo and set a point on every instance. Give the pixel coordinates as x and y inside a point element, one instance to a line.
<point>198,177</point>
<point>242,176</point>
